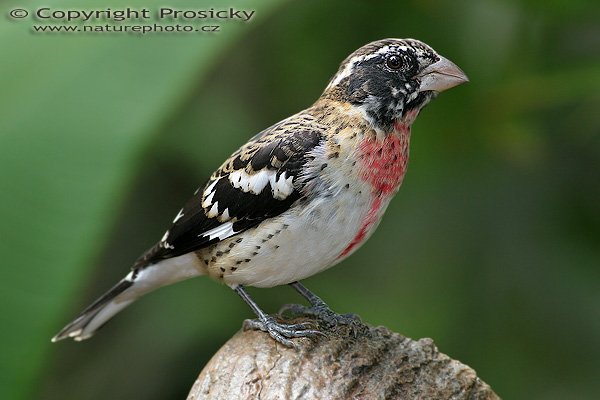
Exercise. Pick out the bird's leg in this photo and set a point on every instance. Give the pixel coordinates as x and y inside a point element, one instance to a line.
<point>277,330</point>
<point>318,308</point>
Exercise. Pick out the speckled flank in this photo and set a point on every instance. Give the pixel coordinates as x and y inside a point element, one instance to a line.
<point>225,258</point>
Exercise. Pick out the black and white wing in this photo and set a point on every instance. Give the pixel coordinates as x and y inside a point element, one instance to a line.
<point>259,181</point>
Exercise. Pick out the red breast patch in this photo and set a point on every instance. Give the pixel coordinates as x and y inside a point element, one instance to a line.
<point>384,161</point>
<point>383,165</point>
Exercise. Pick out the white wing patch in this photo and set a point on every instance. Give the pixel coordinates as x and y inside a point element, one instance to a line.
<point>209,193</point>
<point>255,183</point>
<point>214,210</point>
<point>222,231</point>
<point>211,187</point>
<point>225,215</point>
<point>208,200</point>
<point>282,187</point>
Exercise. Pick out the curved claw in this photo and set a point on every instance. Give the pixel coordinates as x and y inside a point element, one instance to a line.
<point>323,313</point>
<point>282,332</point>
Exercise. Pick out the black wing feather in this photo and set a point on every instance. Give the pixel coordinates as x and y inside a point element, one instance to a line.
<point>282,148</point>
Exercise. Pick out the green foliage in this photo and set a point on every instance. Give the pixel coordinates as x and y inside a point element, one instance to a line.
<point>77,112</point>
<point>490,248</point>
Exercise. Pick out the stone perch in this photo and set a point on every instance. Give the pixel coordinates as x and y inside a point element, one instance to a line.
<point>350,362</point>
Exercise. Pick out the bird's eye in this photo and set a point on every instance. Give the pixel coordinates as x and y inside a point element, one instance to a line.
<point>394,62</point>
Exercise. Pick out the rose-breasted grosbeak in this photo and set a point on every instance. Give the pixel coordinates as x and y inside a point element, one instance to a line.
<point>300,196</point>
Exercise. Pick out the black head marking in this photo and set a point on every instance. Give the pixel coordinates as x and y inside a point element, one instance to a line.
<point>382,78</point>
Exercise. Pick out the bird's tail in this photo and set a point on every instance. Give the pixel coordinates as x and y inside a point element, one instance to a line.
<point>141,280</point>
<point>100,311</point>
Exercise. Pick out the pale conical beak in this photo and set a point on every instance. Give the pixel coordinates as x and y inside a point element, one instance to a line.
<point>441,75</point>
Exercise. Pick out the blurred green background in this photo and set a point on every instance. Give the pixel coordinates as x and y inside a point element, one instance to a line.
<point>491,248</point>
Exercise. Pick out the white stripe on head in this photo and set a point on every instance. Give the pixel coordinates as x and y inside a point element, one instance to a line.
<point>349,68</point>
<point>346,72</point>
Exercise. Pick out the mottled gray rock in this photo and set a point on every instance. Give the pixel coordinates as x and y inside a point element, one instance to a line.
<point>367,363</point>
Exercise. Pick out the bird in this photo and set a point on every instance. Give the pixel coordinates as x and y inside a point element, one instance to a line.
<point>299,197</point>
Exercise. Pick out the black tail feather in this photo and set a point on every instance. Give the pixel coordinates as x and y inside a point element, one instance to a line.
<point>77,328</point>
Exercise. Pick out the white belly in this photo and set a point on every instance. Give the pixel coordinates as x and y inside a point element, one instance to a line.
<point>297,244</point>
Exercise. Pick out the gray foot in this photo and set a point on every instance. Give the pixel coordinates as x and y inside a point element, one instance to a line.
<point>282,332</point>
<point>322,313</point>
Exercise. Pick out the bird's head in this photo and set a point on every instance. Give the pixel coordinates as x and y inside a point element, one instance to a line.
<point>390,80</point>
